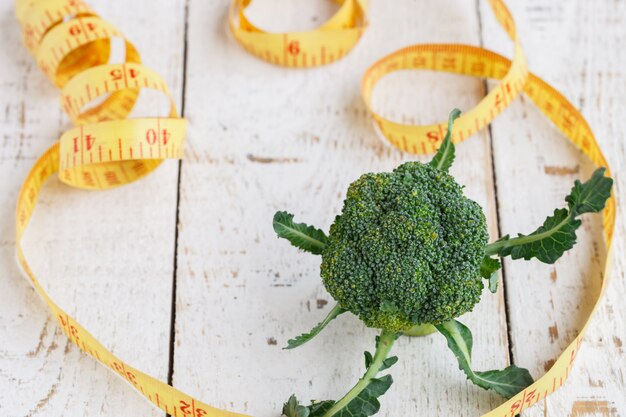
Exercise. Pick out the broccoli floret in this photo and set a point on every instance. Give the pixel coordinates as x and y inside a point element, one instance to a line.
<point>406,249</point>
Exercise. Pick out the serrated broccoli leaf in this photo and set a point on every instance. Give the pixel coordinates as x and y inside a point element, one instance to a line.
<point>362,399</point>
<point>506,382</point>
<point>300,235</point>
<point>444,157</point>
<point>558,233</point>
<point>591,196</point>
<point>489,270</point>
<point>548,243</point>
<point>366,403</point>
<point>292,408</point>
<point>305,337</point>
<point>318,409</point>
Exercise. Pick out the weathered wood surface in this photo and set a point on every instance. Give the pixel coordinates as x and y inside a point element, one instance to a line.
<point>264,138</point>
<point>106,257</point>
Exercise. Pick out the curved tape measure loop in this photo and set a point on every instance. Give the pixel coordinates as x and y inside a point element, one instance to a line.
<point>36,19</point>
<point>461,59</point>
<point>68,37</point>
<point>514,79</point>
<point>326,44</point>
<point>110,79</point>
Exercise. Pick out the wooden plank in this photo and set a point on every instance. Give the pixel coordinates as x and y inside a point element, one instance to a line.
<point>573,46</point>
<point>106,257</point>
<point>266,138</point>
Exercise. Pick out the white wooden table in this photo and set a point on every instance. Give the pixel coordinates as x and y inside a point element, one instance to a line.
<point>181,274</point>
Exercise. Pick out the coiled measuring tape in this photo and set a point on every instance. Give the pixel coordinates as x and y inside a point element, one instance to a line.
<point>71,45</point>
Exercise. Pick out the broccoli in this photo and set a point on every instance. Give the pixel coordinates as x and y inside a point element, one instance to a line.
<point>408,254</point>
<point>406,249</point>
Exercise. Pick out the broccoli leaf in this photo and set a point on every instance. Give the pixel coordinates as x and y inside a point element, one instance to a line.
<point>591,196</point>
<point>318,409</point>
<point>305,337</point>
<point>489,270</point>
<point>366,403</point>
<point>444,157</point>
<point>558,233</point>
<point>300,235</point>
<point>362,399</point>
<point>548,243</point>
<point>388,363</point>
<point>506,382</point>
<point>292,408</point>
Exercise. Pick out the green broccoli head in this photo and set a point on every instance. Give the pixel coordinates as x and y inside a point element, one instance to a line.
<point>406,249</point>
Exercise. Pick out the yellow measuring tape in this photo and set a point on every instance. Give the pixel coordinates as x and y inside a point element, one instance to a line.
<point>72,44</point>
<point>326,44</point>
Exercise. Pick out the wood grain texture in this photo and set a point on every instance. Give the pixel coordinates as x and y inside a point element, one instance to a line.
<point>263,138</point>
<point>266,138</point>
<point>576,48</point>
<point>106,257</point>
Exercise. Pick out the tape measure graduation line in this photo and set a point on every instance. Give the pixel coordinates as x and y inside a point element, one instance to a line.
<point>72,46</point>
<point>328,43</point>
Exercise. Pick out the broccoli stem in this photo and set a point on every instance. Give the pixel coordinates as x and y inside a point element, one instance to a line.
<point>387,338</point>
<point>420,330</point>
